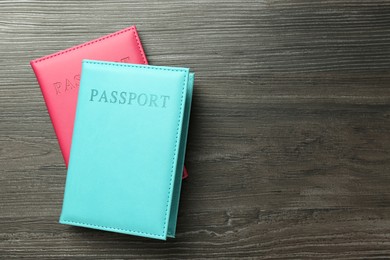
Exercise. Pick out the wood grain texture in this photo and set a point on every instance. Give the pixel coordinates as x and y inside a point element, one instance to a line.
<point>289,144</point>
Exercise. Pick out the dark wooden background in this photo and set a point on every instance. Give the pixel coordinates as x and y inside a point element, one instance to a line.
<point>289,145</point>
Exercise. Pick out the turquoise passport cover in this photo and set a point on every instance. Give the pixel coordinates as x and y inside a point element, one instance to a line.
<point>128,148</point>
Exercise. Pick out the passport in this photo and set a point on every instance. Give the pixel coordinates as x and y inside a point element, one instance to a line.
<point>128,148</point>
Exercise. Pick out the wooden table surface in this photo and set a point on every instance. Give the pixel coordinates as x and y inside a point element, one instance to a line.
<point>289,143</point>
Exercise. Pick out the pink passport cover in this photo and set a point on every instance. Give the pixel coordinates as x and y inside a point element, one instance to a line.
<point>58,75</point>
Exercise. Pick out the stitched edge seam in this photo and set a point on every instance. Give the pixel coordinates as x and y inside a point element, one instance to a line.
<point>133,66</point>
<point>92,42</point>
<point>139,46</point>
<point>119,229</point>
<point>174,151</point>
<point>174,155</point>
